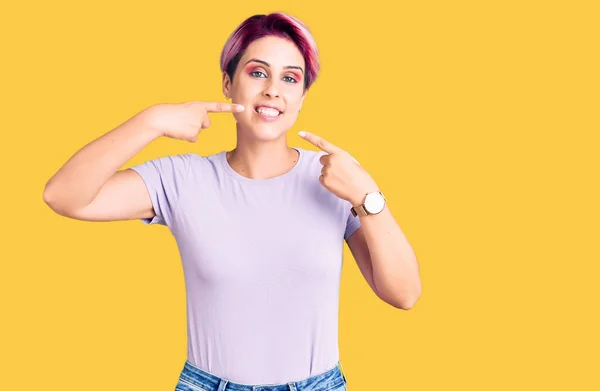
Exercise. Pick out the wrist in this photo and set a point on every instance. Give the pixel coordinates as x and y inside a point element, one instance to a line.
<point>373,203</point>
<point>359,197</point>
<point>150,121</point>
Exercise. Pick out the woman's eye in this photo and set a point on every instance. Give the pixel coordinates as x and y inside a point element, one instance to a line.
<point>261,75</point>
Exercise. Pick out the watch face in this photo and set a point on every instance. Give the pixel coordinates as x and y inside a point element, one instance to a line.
<point>374,202</point>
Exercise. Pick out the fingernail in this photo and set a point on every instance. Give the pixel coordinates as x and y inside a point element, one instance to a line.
<point>240,108</point>
<point>302,133</point>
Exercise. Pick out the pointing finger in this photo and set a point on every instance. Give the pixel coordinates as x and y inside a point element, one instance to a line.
<point>319,142</point>
<point>221,107</point>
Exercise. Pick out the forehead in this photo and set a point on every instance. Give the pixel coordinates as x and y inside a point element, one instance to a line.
<point>278,52</point>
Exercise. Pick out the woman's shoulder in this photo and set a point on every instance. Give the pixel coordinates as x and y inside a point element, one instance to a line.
<point>200,163</point>
<point>198,158</point>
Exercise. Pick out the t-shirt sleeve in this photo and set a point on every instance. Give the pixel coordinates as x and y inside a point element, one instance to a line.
<point>352,223</point>
<point>165,180</point>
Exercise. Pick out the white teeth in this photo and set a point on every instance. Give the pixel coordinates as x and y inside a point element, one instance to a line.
<point>268,111</point>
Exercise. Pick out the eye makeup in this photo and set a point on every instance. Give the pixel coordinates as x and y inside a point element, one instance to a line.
<point>250,69</point>
<point>296,76</point>
<point>253,68</point>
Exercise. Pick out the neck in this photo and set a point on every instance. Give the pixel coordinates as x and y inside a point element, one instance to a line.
<point>262,159</point>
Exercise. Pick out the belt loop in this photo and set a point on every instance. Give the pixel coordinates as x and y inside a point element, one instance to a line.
<point>293,386</point>
<point>222,385</point>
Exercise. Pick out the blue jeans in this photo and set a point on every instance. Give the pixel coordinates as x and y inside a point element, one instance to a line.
<point>193,378</point>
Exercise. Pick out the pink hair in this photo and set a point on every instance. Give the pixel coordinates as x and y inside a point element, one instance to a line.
<point>276,24</point>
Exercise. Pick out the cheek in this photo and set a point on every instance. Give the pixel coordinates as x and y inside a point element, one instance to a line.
<point>293,98</point>
<point>294,108</point>
<point>242,97</point>
<point>243,88</point>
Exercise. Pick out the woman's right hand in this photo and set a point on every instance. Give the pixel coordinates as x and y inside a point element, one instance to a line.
<point>184,121</point>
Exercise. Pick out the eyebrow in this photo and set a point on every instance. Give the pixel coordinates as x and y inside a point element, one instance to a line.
<point>267,64</point>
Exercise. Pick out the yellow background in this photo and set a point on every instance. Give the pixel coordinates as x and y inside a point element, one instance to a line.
<point>479,120</point>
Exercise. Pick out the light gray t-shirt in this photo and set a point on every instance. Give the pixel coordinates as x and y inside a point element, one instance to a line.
<point>262,262</point>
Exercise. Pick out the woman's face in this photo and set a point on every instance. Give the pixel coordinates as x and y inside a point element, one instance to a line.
<point>270,73</point>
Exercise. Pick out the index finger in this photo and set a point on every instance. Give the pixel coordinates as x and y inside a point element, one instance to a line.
<point>320,142</point>
<point>221,107</point>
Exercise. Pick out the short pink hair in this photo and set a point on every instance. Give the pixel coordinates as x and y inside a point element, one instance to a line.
<point>276,24</point>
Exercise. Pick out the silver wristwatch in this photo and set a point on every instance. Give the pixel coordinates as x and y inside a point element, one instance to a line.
<point>374,203</point>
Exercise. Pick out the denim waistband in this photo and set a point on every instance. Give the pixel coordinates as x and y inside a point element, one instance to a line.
<point>193,378</point>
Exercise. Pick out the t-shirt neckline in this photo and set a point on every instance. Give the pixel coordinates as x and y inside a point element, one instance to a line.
<point>237,176</point>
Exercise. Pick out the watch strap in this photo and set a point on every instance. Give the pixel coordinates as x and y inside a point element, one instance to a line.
<point>359,211</point>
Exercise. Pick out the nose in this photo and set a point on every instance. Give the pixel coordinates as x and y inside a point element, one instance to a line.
<point>271,89</point>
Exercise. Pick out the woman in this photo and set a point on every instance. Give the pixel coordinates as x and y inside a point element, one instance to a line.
<point>260,228</point>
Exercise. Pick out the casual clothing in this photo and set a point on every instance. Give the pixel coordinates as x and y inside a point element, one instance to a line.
<point>193,378</point>
<point>262,262</point>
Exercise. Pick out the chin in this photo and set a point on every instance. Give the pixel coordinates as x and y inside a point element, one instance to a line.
<point>264,131</point>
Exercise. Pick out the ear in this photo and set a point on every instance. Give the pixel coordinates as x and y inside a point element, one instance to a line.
<point>226,85</point>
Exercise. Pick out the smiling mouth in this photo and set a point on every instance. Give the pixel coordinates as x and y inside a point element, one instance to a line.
<point>270,110</point>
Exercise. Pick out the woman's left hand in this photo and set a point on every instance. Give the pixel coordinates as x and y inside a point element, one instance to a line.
<point>341,174</point>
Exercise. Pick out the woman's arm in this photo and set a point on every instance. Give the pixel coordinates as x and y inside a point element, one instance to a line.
<point>90,187</point>
<point>383,253</point>
<point>386,260</point>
